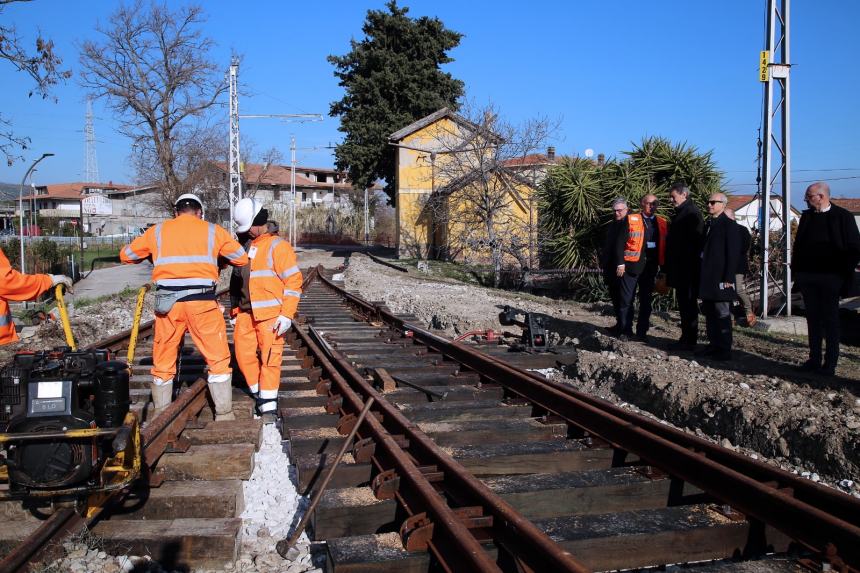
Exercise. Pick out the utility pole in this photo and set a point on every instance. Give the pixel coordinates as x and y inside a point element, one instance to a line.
<point>774,68</point>
<point>293,190</point>
<point>235,160</point>
<point>92,166</point>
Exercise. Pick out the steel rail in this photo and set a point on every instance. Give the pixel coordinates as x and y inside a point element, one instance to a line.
<point>820,518</point>
<point>43,543</point>
<point>388,264</point>
<point>450,536</point>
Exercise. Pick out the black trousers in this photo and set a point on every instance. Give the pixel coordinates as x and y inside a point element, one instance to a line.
<point>820,293</point>
<point>718,323</point>
<point>646,293</point>
<point>688,306</point>
<point>613,283</point>
<point>627,288</point>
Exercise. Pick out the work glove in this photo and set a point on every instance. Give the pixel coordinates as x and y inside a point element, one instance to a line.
<point>282,325</point>
<point>62,279</point>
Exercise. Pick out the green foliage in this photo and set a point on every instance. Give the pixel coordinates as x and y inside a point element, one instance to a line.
<point>575,198</point>
<point>391,78</point>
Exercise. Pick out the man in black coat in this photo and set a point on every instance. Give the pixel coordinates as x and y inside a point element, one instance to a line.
<point>683,249</point>
<point>720,255</point>
<point>745,309</point>
<point>825,255</point>
<point>616,232</point>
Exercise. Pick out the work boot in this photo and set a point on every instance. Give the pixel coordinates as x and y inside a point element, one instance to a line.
<point>162,395</point>
<point>221,390</point>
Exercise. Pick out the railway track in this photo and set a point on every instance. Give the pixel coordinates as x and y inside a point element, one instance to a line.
<point>468,461</point>
<point>473,463</point>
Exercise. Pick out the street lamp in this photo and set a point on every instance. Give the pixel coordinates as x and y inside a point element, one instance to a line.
<point>21,205</point>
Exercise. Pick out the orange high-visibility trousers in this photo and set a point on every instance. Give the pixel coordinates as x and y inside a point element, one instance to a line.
<point>205,321</point>
<point>258,354</point>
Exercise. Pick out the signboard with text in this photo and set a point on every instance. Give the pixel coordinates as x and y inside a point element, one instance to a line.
<point>96,205</point>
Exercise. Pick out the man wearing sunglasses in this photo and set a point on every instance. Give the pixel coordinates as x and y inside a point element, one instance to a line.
<point>683,251</point>
<point>825,253</point>
<point>720,256</point>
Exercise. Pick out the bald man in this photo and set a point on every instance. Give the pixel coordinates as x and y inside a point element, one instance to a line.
<point>720,256</point>
<point>824,257</point>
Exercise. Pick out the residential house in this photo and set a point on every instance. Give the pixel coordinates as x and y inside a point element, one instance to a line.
<point>853,205</point>
<point>441,194</point>
<point>60,206</point>
<point>746,208</point>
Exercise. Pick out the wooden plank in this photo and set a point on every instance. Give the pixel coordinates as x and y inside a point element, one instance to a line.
<point>531,458</point>
<point>209,462</point>
<point>352,511</point>
<point>384,381</point>
<point>382,553</point>
<point>227,432</point>
<point>491,431</point>
<point>600,491</point>
<point>176,543</point>
<point>463,411</point>
<point>13,532</point>
<point>303,418</point>
<point>310,469</point>
<point>184,499</point>
<point>651,537</point>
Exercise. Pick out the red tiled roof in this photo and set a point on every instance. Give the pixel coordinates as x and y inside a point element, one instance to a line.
<point>852,205</point>
<point>73,190</point>
<point>738,201</point>
<point>528,160</point>
<point>259,174</point>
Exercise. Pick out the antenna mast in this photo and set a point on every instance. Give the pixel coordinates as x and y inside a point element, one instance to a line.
<point>235,161</point>
<point>92,166</point>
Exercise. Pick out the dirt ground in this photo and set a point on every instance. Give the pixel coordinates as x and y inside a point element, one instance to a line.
<point>756,404</point>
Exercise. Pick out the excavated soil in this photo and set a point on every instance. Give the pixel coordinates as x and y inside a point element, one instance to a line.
<point>756,403</point>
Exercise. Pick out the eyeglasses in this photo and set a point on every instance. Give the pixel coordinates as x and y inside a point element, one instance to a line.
<point>810,197</point>
<point>715,202</point>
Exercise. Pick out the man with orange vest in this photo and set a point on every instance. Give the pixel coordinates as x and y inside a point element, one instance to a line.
<point>623,262</point>
<point>185,252</point>
<point>264,296</point>
<point>656,230</point>
<point>17,286</point>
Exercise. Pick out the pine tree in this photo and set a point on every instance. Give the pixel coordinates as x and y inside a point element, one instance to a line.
<point>392,77</point>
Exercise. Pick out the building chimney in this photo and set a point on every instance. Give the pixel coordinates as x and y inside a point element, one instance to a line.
<point>601,159</point>
<point>550,153</point>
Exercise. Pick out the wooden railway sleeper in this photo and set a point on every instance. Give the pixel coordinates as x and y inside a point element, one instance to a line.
<point>432,474</point>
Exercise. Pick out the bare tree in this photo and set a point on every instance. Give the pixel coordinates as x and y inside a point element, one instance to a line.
<point>484,172</point>
<point>42,65</point>
<point>152,67</point>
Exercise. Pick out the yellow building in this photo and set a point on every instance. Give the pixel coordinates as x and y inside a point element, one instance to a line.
<point>461,195</point>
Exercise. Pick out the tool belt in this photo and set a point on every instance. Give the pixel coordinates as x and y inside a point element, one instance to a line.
<point>166,296</point>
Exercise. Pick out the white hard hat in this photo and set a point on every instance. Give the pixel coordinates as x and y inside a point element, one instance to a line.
<point>188,197</point>
<point>244,212</point>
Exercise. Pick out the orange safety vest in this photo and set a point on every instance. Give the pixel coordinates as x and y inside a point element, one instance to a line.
<point>185,251</point>
<point>663,231</point>
<point>16,286</point>
<point>275,281</point>
<point>635,238</point>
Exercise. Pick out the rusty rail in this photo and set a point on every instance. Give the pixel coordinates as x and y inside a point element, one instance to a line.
<point>824,520</point>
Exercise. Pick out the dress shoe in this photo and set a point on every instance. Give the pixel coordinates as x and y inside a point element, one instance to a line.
<point>706,351</point>
<point>721,355</point>
<point>827,370</point>
<point>809,366</point>
<point>623,337</point>
<point>682,346</point>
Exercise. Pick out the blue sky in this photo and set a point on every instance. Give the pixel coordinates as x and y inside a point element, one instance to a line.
<point>611,71</point>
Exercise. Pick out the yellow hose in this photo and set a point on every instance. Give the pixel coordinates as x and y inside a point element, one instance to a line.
<point>135,327</point>
<point>64,316</point>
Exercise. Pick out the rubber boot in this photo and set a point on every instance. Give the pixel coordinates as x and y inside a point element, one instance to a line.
<point>221,389</point>
<point>162,396</point>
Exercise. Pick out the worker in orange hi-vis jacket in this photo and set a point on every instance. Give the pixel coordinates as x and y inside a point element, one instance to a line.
<point>264,296</point>
<point>17,286</point>
<point>185,252</point>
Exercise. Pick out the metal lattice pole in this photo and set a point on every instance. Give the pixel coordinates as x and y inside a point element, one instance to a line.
<point>92,166</point>
<point>235,160</point>
<point>775,70</point>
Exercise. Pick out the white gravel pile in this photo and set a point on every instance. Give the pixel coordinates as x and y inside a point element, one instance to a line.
<point>273,509</point>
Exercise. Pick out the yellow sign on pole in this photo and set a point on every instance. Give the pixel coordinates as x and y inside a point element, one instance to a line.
<point>762,65</point>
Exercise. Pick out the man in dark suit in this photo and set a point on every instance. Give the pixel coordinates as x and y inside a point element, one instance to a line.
<point>656,230</point>
<point>745,309</point>
<point>683,248</point>
<point>825,255</point>
<point>624,257</point>
<point>720,255</point>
